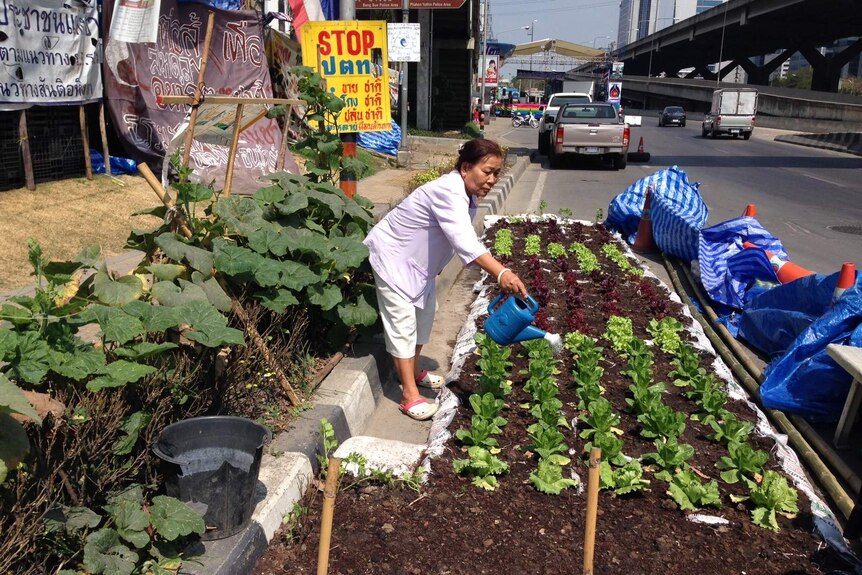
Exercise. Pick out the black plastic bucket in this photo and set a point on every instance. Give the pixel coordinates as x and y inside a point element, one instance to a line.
<point>212,463</point>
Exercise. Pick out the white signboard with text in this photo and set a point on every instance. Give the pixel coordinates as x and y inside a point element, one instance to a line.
<point>403,42</point>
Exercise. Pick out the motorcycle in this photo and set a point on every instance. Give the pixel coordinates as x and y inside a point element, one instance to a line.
<point>519,120</point>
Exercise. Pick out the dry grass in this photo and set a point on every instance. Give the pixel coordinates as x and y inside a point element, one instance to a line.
<point>65,216</point>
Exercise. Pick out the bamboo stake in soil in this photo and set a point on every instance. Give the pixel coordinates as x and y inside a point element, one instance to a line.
<point>231,155</point>
<point>85,141</point>
<point>205,56</point>
<point>235,306</point>
<point>24,140</point>
<point>326,516</point>
<point>104,134</point>
<point>592,509</point>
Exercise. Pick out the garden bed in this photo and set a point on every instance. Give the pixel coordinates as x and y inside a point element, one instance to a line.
<point>474,522</point>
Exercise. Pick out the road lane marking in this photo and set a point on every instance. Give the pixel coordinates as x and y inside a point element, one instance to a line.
<point>533,206</point>
<point>797,228</point>
<point>824,180</point>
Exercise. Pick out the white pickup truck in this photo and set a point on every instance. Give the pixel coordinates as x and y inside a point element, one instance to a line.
<point>546,124</point>
<point>593,129</point>
<point>732,112</point>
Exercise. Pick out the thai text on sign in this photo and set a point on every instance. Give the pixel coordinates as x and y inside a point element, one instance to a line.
<point>352,58</point>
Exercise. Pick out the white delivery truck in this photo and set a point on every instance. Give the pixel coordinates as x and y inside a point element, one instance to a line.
<point>732,112</point>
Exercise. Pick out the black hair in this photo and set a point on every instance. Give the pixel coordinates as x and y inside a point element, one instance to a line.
<point>473,151</point>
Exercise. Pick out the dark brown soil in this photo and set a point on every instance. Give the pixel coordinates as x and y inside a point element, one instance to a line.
<point>453,527</point>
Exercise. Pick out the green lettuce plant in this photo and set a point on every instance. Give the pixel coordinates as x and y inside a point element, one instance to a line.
<point>691,493</point>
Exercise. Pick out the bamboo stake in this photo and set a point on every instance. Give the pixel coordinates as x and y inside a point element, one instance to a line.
<point>235,306</point>
<point>282,150</point>
<point>85,141</point>
<point>326,517</point>
<point>104,134</point>
<point>231,155</point>
<point>592,509</point>
<point>24,140</point>
<point>190,134</point>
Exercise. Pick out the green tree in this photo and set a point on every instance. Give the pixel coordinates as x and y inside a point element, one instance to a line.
<point>800,79</point>
<point>851,85</point>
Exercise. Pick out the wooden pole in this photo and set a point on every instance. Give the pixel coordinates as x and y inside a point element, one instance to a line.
<point>592,509</point>
<point>190,134</point>
<point>231,155</point>
<point>85,140</point>
<point>326,517</point>
<point>104,133</point>
<point>24,141</point>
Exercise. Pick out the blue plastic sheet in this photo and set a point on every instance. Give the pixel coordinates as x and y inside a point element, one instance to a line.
<point>118,165</point>
<point>805,380</point>
<point>727,270</point>
<point>383,142</point>
<point>677,212</point>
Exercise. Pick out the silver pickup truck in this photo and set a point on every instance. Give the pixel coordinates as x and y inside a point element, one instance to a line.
<point>593,129</point>
<point>546,123</point>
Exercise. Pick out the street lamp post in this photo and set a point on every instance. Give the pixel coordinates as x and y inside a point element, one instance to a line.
<point>532,28</point>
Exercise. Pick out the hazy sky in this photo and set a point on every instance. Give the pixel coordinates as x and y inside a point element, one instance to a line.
<point>587,22</point>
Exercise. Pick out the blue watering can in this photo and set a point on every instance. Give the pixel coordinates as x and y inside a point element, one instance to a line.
<point>513,322</point>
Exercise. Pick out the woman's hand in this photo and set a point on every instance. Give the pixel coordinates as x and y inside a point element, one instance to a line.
<point>511,283</point>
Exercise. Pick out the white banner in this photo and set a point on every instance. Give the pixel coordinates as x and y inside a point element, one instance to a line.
<point>136,21</point>
<point>50,52</point>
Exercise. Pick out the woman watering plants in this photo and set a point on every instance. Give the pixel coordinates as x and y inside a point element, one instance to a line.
<point>413,243</point>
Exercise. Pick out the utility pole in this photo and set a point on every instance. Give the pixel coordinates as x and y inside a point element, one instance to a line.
<point>483,68</point>
<point>405,18</point>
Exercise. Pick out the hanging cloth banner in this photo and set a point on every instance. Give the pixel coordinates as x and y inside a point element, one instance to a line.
<point>49,53</point>
<point>135,74</point>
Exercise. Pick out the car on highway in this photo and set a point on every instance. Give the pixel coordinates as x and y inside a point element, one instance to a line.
<point>672,116</point>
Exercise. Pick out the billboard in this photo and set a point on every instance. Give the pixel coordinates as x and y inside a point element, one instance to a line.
<point>490,70</point>
<point>352,57</point>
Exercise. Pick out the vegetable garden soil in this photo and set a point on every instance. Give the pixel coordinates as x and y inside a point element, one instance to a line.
<point>453,527</point>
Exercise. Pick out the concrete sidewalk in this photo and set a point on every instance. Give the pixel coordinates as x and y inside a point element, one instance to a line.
<point>360,396</point>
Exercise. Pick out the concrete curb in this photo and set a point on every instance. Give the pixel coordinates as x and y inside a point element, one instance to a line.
<point>346,398</point>
<point>846,142</point>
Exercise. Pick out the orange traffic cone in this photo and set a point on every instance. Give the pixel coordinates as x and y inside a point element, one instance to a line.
<point>785,270</point>
<point>644,243</point>
<point>846,279</point>
<point>641,145</point>
<point>750,211</point>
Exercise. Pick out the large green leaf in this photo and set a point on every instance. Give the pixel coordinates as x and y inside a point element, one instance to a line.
<point>90,255</point>
<point>143,350</point>
<point>200,259</point>
<point>118,291</point>
<point>347,253</point>
<point>357,313</point>
<point>80,364</point>
<point>132,427</point>
<point>357,212</point>
<point>270,195</point>
<point>34,358</point>
<point>103,553</point>
<point>191,192</point>
<point>235,260</point>
<point>156,318</point>
<point>172,295</point>
<point>119,373</point>
<point>16,315</point>
<point>268,273</point>
<point>290,183</point>
<point>115,323</point>
<point>331,201</point>
<point>327,297</point>
<point>166,272</point>
<point>266,240</point>
<point>242,213</point>
<point>78,518</point>
<point>303,240</point>
<point>209,327</point>
<point>8,344</point>
<point>296,275</point>
<point>131,522</point>
<point>173,518</point>
<point>293,203</point>
<point>14,444</point>
<point>12,400</point>
<point>215,294</point>
<point>277,300</point>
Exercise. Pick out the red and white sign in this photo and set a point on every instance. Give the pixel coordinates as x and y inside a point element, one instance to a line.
<point>490,70</point>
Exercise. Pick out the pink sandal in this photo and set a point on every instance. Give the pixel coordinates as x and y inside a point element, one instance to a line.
<point>430,380</point>
<point>420,409</point>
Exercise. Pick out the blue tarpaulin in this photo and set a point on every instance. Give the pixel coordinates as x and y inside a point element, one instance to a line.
<point>727,270</point>
<point>677,212</point>
<point>805,380</point>
<point>118,165</point>
<point>383,142</point>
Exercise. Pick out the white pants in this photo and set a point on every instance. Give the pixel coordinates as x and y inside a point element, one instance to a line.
<point>404,325</point>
